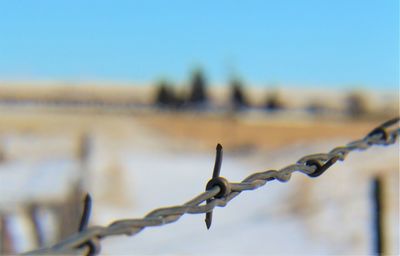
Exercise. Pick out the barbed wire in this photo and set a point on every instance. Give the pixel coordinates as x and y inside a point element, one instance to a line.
<point>219,192</point>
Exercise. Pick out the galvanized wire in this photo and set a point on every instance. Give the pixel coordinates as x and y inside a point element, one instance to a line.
<point>87,241</point>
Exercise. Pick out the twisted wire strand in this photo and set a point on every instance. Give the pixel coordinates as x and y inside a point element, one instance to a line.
<point>88,240</point>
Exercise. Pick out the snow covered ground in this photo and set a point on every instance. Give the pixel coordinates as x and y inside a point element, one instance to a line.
<point>327,215</point>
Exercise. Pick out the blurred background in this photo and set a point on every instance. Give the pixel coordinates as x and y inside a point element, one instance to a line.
<point>126,100</point>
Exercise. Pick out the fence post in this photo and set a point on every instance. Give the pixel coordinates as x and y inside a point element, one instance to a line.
<point>6,241</point>
<point>378,230</point>
<point>33,213</point>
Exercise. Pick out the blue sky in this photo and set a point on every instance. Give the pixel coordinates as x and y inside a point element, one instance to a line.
<point>313,42</point>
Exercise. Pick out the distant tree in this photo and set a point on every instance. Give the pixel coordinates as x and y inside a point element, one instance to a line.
<point>273,103</point>
<point>356,105</point>
<point>238,98</point>
<point>164,95</point>
<point>197,95</point>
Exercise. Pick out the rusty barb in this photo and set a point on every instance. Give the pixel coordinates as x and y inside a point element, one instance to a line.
<point>219,192</point>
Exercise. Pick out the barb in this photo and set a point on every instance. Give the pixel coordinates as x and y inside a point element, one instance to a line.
<point>87,206</point>
<point>217,181</point>
<point>87,241</point>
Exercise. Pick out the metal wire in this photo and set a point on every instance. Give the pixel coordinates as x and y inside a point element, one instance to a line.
<point>87,241</point>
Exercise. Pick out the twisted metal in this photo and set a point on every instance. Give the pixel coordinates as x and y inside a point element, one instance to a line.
<point>87,241</point>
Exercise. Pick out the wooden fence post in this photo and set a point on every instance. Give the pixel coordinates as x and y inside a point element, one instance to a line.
<point>6,242</point>
<point>379,234</point>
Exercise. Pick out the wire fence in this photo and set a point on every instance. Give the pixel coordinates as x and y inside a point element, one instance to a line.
<point>219,192</point>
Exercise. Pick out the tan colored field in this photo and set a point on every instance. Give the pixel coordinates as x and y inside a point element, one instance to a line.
<point>235,133</point>
<point>200,131</point>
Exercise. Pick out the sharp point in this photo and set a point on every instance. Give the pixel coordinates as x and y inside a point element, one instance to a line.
<point>87,205</point>
<point>87,201</point>
<point>208,219</point>
<point>208,223</point>
<point>219,146</point>
<point>87,197</point>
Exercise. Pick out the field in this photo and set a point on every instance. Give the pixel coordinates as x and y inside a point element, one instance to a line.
<point>138,160</point>
<point>199,130</point>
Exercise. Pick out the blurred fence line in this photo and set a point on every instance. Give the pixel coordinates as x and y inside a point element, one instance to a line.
<point>64,210</point>
<point>219,192</point>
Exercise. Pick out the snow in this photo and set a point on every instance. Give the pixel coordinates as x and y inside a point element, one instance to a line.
<point>327,215</point>
<point>256,222</point>
<point>34,181</point>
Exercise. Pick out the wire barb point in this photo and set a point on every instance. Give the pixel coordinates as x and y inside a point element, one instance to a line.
<point>208,219</point>
<point>87,206</point>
